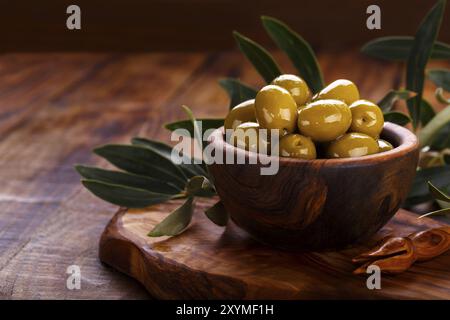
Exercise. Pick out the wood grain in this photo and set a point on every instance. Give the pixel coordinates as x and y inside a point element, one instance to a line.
<point>210,262</point>
<point>315,204</point>
<point>54,108</point>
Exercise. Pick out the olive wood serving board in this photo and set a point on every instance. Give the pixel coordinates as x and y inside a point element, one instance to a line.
<point>211,262</point>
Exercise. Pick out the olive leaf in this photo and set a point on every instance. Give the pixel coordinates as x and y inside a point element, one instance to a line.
<point>258,56</point>
<point>237,91</point>
<point>441,212</point>
<point>419,55</point>
<point>142,161</point>
<point>197,132</point>
<point>126,196</point>
<point>387,102</point>
<point>176,222</point>
<point>442,139</point>
<point>397,118</point>
<point>427,112</point>
<point>217,214</point>
<point>200,186</point>
<point>298,50</point>
<point>429,132</point>
<point>397,48</point>
<point>440,77</point>
<point>438,194</point>
<point>207,124</point>
<point>188,167</point>
<point>127,179</point>
<point>439,176</point>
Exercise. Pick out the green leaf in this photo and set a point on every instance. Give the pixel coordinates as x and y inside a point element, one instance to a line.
<point>187,124</point>
<point>427,112</point>
<point>419,55</point>
<point>397,48</point>
<point>200,186</point>
<point>298,50</point>
<point>431,130</point>
<point>438,194</point>
<point>438,176</point>
<point>258,56</point>
<point>442,139</point>
<point>126,179</point>
<point>189,168</point>
<point>441,212</point>
<point>237,91</point>
<point>197,131</point>
<point>142,161</point>
<point>218,214</point>
<point>125,196</point>
<point>176,222</point>
<point>397,117</point>
<point>387,102</point>
<point>440,77</point>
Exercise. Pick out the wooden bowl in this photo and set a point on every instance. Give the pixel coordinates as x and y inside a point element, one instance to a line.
<point>317,204</point>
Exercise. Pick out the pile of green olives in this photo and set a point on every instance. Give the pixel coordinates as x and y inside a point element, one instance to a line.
<point>334,123</point>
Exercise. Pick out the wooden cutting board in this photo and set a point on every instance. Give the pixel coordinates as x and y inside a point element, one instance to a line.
<point>210,262</point>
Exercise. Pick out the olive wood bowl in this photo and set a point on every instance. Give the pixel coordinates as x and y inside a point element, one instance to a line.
<point>321,204</point>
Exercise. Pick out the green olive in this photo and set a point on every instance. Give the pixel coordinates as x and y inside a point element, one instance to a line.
<point>341,89</point>
<point>384,145</point>
<point>276,109</point>
<point>297,146</point>
<point>246,136</point>
<point>243,112</point>
<point>366,118</point>
<point>324,120</point>
<point>352,145</point>
<point>296,86</point>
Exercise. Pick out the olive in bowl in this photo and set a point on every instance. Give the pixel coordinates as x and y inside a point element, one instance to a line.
<point>320,204</point>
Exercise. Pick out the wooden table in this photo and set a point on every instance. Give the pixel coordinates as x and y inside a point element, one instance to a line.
<point>54,108</point>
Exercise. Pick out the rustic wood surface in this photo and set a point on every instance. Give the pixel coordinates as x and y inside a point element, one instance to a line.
<point>54,108</point>
<point>210,262</point>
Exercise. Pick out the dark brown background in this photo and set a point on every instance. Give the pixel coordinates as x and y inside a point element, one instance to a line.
<point>198,24</point>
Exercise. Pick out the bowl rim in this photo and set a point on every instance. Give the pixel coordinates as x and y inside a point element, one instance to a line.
<point>405,140</point>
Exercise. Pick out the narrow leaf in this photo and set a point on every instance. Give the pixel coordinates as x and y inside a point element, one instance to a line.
<point>298,50</point>
<point>427,112</point>
<point>142,161</point>
<point>419,55</point>
<point>440,77</point>
<point>397,48</point>
<point>441,212</point>
<point>397,118</point>
<point>438,194</point>
<point>200,186</point>
<point>431,130</point>
<point>176,222</point>
<point>387,102</point>
<point>258,56</point>
<point>125,196</point>
<point>218,214</point>
<point>442,139</point>
<point>189,168</point>
<point>237,91</point>
<point>187,124</point>
<point>126,179</point>
<point>439,176</point>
